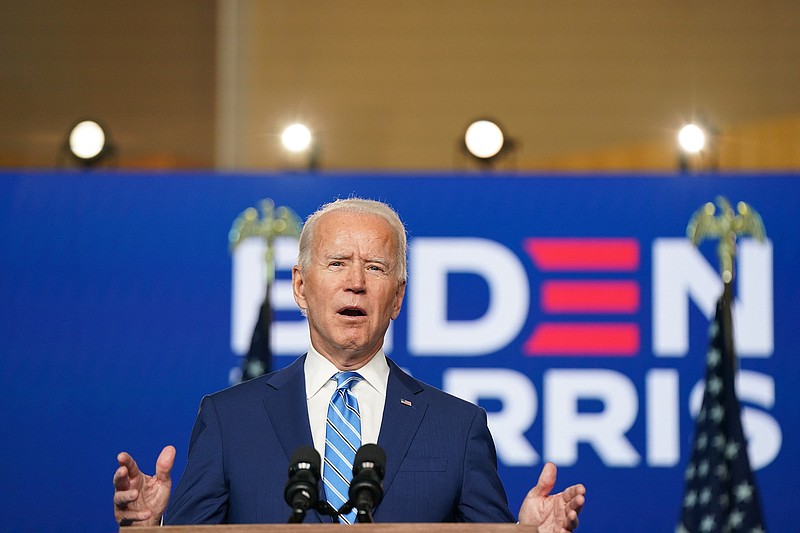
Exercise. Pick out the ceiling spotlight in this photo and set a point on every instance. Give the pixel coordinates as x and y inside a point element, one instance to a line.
<point>692,139</point>
<point>484,139</point>
<point>296,138</point>
<point>88,142</point>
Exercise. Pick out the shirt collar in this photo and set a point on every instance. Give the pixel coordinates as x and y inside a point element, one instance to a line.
<point>319,370</point>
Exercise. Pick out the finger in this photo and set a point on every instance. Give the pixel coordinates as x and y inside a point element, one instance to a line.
<point>573,524</point>
<point>164,463</point>
<point>547,480</point>
<point>123,498</point>
<point>573,491</point>
<point>130,517</point>
<point>121,479</point>
<point>570,519</point>
<point>577,502</point>
<point>574,508</point>
<point>126,460</point>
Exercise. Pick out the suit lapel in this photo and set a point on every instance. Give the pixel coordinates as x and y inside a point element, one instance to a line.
<point>286,406</point>
<point>285,403</point>
<point>402,415</point>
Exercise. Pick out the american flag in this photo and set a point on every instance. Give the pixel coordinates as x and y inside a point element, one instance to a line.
<point>721,494</point>
<point>259,357</point>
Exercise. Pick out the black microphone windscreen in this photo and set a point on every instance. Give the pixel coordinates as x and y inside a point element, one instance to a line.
<point>370,456</point>
<point>305,455</point>
<point>302,487</point>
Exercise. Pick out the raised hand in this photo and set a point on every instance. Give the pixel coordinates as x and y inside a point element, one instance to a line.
<point>557,513</point>
<point>139,499</point>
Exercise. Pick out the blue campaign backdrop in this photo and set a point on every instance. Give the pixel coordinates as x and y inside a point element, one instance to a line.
<point>116,292</point>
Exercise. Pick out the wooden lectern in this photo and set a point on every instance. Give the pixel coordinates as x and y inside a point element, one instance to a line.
<point>331,528</point>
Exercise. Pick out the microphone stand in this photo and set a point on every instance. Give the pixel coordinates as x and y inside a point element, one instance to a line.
<point>326,509</point>
<point>322,507</point>
<point>363,509</point>
<point>297,516</point>
<point>364,516</point>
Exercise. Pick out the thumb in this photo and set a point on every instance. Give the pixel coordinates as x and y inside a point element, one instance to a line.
<point>164,463</point>
<point>547,480</point>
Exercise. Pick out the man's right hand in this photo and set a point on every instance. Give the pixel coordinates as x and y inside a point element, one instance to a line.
<point>139,499</point>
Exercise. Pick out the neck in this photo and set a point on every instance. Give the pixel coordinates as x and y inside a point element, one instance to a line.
<point>349,361</point>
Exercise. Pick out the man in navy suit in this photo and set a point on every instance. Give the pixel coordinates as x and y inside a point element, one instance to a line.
<point>441,462</point>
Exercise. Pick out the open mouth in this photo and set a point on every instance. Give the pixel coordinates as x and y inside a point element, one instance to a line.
<point>352,311</point>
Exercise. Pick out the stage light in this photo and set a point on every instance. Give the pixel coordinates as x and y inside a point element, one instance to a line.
<point>698,145</point>
<point>484,140</point>
<point>88,142</point>
<point>692,139</point>
<point>296,138</point>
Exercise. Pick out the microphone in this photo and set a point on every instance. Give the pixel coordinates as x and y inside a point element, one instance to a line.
<point>302,488</point>
<point>366,489</point>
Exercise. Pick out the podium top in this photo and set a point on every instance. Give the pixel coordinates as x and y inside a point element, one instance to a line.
<point>326,528</point>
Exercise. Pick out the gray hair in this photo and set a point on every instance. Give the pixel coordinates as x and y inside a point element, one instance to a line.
<point>361,206</point>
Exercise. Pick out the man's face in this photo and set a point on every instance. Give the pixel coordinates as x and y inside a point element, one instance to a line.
<point>350,290</point>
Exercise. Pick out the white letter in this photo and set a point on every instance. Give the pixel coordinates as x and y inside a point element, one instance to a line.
<point>752,311</point>
<point>508,426</point>
<point>679,270</point>
<point>680,273</point>
<point>565,427</point>
<point>430,332</point>
<point>663,423</point>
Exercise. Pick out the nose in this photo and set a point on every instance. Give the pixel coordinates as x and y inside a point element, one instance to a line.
<point>356,280</point>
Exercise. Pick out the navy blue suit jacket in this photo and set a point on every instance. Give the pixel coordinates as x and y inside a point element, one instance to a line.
<point>441,461</point>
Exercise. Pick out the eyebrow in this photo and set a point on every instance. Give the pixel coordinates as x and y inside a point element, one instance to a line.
<point>379,260</point>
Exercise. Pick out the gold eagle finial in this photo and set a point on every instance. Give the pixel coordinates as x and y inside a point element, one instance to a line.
<point>726,226</point>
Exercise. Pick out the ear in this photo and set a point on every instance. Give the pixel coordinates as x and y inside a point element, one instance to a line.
<point>299,288</point>
<point>398,299</point>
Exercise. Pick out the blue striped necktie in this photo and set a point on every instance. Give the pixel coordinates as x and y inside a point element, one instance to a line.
<point>342,439</point>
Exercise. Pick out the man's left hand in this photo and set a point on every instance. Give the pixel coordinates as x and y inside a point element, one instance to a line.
<point>557,513</point>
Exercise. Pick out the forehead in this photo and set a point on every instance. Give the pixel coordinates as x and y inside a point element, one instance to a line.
<point>364,231</point>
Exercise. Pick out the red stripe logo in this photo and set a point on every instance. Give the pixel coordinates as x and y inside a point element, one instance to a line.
<point>590,297</point>
<point>582,339</point>
<point>593,255</point>
<point>565,297</point>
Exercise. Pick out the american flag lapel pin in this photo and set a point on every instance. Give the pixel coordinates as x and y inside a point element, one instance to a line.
<point>406,402</point>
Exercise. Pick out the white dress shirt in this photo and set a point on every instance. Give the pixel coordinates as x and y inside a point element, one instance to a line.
<point>371,394</point>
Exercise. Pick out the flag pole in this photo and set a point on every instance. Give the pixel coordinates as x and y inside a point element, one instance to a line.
<point>727,321</point>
